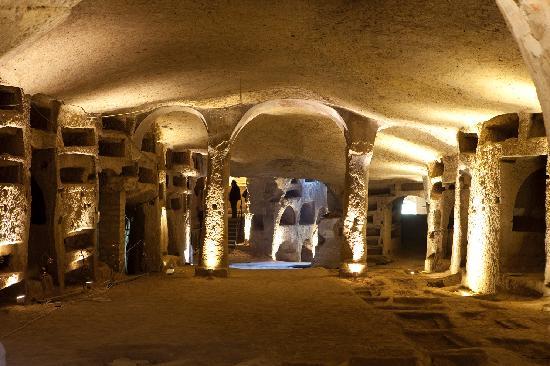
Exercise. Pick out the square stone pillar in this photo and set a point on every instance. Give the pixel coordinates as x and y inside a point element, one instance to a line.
<point>360,139</point>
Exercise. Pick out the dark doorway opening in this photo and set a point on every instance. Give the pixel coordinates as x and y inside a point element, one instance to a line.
<point>135,240</point>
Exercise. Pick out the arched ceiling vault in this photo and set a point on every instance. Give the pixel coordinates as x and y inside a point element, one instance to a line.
<point>423,68</point>
<point>283,145</point>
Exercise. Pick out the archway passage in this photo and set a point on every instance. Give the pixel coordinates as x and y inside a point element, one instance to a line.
<point>409,228</point>
<point>288,217</point>
<point>42,255</point>
<point>307,213</point>
<point>529,223</point>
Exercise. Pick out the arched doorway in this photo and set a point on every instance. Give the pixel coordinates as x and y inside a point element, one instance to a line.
<point>523,215</point>
<point>406,227</point>
<point>286,165</point>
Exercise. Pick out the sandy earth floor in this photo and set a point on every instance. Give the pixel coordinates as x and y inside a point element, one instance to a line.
<point>279,317</point>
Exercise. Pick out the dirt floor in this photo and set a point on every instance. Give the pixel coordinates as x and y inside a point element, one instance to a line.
<point>279,317</point>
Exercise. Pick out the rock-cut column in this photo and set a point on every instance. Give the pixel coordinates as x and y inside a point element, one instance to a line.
<point>482,264</point>
<point>213,257</point>
<point>361,135</point>
<point>462,196</point>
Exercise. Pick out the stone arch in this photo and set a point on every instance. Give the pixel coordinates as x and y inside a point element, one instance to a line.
<point>288,217</point>
<point>147,124</point>
<point>307,213</point>
<point>529,210</point>
<point>272,139</point>
<point>526,248</point>
<point>289,106</point>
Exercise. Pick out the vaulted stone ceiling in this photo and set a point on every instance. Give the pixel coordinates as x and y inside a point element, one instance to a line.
<point>425,68</point>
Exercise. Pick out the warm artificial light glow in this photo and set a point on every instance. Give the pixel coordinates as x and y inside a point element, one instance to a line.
<point>501,88</point>
<point>211,254</point>
<point>75,258</point>
<point>187,250</point>
<point>407,149</point>
<point>356,268</point>
<point>7,280</point>
<point>247,226</point>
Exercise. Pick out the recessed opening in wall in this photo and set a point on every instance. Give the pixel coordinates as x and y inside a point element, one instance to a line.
<point>41,242</point>
<point>408,231</point>
<point>147,175</point>
<point>11,173</point>
<point>293,193</point>
<point>370,219</point>
<point>41,118</point>
<point>413,205</point>
<point>114,123</point>
<point>437,169</point>
<point>175,204</point>
<point>5,262</point>
<point>437,189</point>
<point>294,181</point>
<point>10,99</point>
<point>113,148</point>
<point>307,213</point>
<point>148,144</point>
<point>373,231</point>
<point>198,161</point>
<point>72,175</point>
<point>413,186</point>
<point>467,142</point>
<point>130,171</point>
<point>82,240</point>
<point>503,128</point>
<point>529,210</point>
<point>11,141</point>
<point>78,136</point>
<point>372,206</point>
<point>522,245</point>
<point>38,204</point>
<point>288,217</point>
<point>180,157</point>
<point>135,239</point>
<point>385,191</point>
<point>536,126</point>
<point>179,181</point>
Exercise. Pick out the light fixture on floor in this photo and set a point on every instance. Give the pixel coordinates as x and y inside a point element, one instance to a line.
<point>21,299</point>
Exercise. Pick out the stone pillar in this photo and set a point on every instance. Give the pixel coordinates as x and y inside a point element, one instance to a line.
<point>547,237</point>
<point>386,230</point>
<point>460,237</point>
<point>221,122</point>
<point>360,138</point>
<point>434,242</point>
<point>482,265</point>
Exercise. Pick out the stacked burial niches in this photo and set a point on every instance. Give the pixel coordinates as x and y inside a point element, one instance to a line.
<point>508,219</point>
<point>64,191</point>
<point>14,185</point>
<point>79,200</point>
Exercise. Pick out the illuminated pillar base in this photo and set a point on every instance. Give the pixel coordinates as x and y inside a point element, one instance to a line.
<point>205,272</point>
<point>353,270</point>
